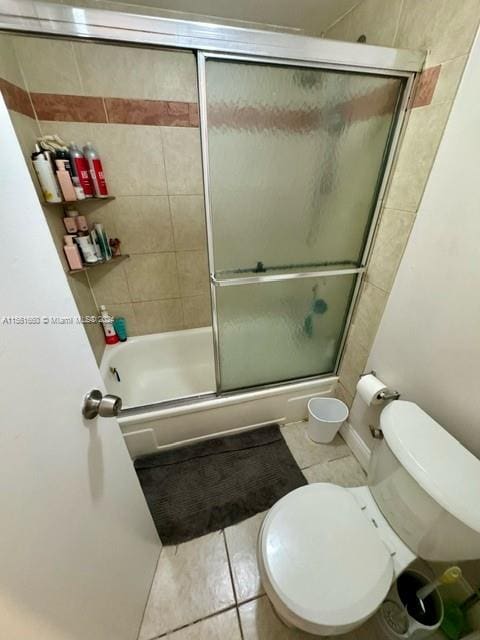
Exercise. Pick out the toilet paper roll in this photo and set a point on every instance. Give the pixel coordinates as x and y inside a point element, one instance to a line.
<point>369,387</point>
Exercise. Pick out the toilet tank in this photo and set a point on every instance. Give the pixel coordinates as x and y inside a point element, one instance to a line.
<point>427,485</point>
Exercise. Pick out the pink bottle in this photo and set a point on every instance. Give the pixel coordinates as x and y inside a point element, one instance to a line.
<point>72,253</point>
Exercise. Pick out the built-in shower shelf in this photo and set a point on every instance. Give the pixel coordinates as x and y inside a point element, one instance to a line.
<point>87,267</point>
<point>66,203</point>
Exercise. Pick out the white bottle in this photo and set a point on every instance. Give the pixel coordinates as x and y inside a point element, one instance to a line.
<point>46,177</point>
<point>87,249</point>
<point>107,324</point>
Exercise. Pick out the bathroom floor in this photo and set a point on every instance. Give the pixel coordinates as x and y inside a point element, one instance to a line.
<point>209,588</point>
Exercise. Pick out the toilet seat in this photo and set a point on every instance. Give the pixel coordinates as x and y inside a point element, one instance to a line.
<point>322,562</point>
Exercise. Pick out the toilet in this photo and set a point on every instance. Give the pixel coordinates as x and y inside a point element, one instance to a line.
<point>329,555</point>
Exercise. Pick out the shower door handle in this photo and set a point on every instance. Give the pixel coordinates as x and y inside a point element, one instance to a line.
<point>96,404</point>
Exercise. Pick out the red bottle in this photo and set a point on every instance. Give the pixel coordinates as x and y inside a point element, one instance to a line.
<point>96,171</point>
<point>80,169</point>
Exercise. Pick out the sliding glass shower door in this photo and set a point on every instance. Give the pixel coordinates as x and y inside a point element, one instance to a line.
<point>294,158</point>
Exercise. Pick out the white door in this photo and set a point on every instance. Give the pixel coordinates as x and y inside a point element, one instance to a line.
<point>78,548</point>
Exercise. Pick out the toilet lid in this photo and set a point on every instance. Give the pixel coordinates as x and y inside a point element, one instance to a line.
<point>323,556</point>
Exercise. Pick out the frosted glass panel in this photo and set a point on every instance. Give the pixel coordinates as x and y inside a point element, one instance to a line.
<point>277,331</point>
<point>295,157</point>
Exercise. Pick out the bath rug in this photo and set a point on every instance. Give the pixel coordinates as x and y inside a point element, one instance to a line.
<point>210,485</point>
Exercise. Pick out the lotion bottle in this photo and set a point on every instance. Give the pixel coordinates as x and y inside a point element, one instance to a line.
<point>72,253</point>
<point>46,177</point>
<point>107,324</point>
<point>65,181</point>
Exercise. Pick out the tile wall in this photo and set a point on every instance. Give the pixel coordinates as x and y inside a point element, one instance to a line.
<point>139,107</point>
<point>445,29</point>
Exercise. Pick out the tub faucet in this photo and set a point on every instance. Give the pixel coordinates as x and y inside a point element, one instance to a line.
<point>114,371</point>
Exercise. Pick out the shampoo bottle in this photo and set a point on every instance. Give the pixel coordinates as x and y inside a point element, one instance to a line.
<point>107,324</point>
<point>96,170</point>
<point>46,177</point>
<point>80,169</point>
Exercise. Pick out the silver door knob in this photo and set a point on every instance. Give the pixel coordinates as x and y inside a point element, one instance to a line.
<point>96,404</point>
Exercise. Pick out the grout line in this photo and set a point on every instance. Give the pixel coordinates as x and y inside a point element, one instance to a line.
<point>191,624</point>
<point>397,26</point>
<point>344,15</point>
<point>230,567</point>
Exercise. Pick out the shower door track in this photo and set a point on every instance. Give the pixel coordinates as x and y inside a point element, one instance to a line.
<point>232,43</point>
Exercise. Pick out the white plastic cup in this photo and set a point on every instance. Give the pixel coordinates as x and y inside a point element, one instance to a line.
<point>325,417</point>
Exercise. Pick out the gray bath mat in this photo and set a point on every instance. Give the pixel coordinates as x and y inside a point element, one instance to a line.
<point>210,485</point>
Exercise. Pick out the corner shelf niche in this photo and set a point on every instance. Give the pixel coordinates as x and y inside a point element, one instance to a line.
<point>87,267</point>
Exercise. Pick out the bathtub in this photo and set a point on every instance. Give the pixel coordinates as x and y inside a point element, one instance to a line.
<point>160,367</point>
<point>167,385</point>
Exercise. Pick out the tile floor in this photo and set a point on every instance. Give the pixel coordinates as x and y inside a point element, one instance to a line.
<point>209,588</point>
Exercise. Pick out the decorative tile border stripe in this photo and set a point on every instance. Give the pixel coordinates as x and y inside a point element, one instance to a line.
<point>426,84</point>
<point>66,108</point>
<point>55,107</point>
<point>16,99</point>
<point>150,112</point>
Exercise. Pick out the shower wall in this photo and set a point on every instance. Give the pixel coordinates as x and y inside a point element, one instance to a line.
<point>139,107</point>
<point>445,28</point>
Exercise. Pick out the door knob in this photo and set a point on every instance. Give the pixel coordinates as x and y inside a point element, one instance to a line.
<point>96,404</point>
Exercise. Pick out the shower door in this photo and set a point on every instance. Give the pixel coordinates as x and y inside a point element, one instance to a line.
<point>294,158</point>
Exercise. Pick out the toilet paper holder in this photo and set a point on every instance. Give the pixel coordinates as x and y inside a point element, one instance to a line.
<point>384,395</point>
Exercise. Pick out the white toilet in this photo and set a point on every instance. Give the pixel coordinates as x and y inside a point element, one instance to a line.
<point>329,555</point>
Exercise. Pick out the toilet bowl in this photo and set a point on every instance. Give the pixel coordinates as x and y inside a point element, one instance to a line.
<point>328,555</point>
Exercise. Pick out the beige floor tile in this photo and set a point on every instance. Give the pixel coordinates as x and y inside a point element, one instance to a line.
<point>224,626</point>
<point>192,582</point>
<point>345,472</point>
<point>370,631</point>
<point>242,549</point>
<point>306,452</point>
<point>259,622</point>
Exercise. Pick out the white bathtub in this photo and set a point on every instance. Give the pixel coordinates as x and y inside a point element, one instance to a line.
<point>160,367</point>
<point>180,364</point>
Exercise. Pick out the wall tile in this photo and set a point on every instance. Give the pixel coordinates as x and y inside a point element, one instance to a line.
<point>135,72</point>
<point>16,98</point>
<point>152,276</point>
<point>425,86</point>
<point>80,132</point>
<point>48,65</point>
<point>352,365</point>
<point>143,223</point>
<point>27,131</point>
<point>9,66</point>
<point>125,310</point>
<point>445,28</point>
<point>188,217</point>
<point>376,19</point>
<point>182,160</point>
<point>132,158</point>
<point>450,75</point>
<point>150,112</point>
<point>197,311</point>
<point>193,272</point>
<point>390,242</point>
<point>158,315</point>
<point>367,316</point>
<point>109,283</point>
<point>417,152</point>
<point>68,108</point>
